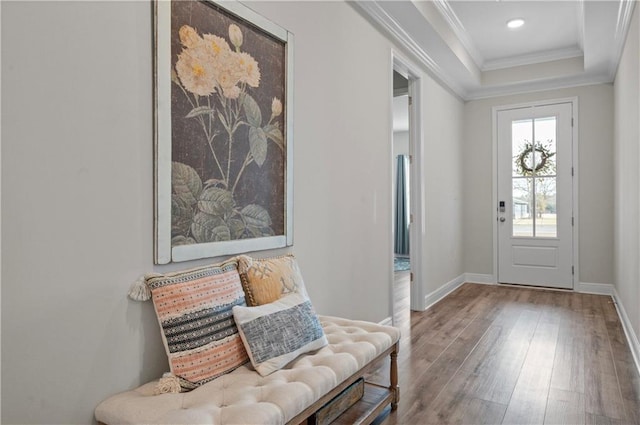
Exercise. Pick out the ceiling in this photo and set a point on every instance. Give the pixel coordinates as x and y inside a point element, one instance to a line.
<point>551,28</point>
<point>468,47</point>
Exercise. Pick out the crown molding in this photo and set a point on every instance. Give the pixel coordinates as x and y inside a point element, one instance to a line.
<point>537,86</point>
<point>460,31</point>
<point>386,23</point>
<point>456,25</point>
<point>389,25</point>
<point>581,25</point>
<point>533,58</point>
<point>625,13</point>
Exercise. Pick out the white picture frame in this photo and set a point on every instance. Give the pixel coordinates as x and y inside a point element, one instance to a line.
<point>240,198</point>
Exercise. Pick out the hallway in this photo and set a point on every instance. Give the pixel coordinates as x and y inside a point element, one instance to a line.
<point>499,354</point>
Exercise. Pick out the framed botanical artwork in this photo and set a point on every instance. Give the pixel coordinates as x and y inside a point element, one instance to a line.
<point>223,131</point>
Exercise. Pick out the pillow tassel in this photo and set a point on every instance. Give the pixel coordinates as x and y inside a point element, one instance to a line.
<point>169,383</point>
<point>139,291</point>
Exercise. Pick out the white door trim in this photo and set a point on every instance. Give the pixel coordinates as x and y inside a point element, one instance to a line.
<point>575,185</point>
<point>417,207</point>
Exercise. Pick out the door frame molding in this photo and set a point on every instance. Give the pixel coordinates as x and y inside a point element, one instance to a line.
<point>417,208</point>
<point>574,184</point>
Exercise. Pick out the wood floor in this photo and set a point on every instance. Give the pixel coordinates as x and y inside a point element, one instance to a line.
<point>498,354</point>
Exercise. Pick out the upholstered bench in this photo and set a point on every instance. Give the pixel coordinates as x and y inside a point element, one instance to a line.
<point>245,346</point>
<point>290,395</point>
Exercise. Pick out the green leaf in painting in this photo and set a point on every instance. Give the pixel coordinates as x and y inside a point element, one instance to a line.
<point>182,240</point>
<point>200,110</point>
<point>256,216</point>
<point>259,232</point>
<point>251,108</point>
<point>268,231</point>
<point>209,228</point>
<point>181,216</point>
<point>221,233</point>
<point>273,133</point>
<point>254,232</point>
<point>214,182</point>
<point>236,227</point>
<point>258,145</point>
<point>216,201</point>
<point>185,182</point>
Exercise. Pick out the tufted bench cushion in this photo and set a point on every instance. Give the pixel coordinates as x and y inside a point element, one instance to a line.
<point>245,397</point>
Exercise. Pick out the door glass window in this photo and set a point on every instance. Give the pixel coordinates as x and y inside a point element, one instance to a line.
<point>533,143</point>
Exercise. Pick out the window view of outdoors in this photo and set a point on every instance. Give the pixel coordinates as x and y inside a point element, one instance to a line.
<point>534,177</point>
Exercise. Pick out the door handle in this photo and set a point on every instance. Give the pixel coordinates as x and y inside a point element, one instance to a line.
<point>502,219</point>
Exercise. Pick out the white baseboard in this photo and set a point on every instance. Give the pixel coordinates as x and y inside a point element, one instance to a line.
<point>595,288</point>
<point>386,322</point>
<point>443,291</point>
<point>486,279</point>
<point>632,338</point>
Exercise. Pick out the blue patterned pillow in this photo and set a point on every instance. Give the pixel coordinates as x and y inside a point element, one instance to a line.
<point>275,334</point>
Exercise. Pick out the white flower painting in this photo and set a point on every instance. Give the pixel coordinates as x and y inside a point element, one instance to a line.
<point>228,166</point>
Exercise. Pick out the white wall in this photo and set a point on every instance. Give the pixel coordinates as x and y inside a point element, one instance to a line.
<point>342,165</point>
<point>595,105</point>
<point>77,207</point>
<point>627,177</point>
<point>443,119</point>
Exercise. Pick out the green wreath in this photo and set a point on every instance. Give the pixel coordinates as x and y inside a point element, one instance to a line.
<point>543,165</point>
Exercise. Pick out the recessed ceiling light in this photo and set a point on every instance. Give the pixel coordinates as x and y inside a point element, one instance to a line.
<point>515,23</point>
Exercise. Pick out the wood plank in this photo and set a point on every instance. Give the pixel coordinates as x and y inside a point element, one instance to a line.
<point>488,354</point>
<point>598,353</point>
<point>593,419</point>
<point>450,362</point>
<point>343,401</point>
<point>367,408</point>
<point>602,391</point>
<point>628,380</point>
<point>608,307</point>
<point>495,378</point>
<point>529,399</point>
<point>460,409</point>
<point>633,411</point>
<point>618,341</point>
<point>568,365</point>
<point>426,385</point>
<point>628,376</point>
<point>564,407</point>
<point>602,395</point>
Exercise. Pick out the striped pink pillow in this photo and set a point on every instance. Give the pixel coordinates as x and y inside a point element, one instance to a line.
<point>194,309</point>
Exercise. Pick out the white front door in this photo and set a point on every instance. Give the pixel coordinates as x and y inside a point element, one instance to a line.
<point>535,196</point>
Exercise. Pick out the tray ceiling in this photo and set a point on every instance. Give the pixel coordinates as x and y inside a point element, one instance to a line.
<point>468,47</point>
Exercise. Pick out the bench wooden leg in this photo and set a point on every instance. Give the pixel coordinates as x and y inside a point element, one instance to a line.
<point>393,378</point>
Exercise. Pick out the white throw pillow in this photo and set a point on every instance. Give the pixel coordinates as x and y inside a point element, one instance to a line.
<point>275,334</point>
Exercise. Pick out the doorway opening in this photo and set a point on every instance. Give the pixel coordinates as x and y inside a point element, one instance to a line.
<point>402,177</point>
<point>406,141</point>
